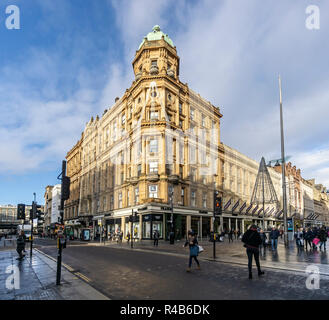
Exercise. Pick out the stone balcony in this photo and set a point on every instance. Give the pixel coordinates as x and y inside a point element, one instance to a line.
<point>152,177</point>
<point>173,178</point>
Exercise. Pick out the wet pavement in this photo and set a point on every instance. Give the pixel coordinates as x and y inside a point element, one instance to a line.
<point>35,279</point>
<point>291,258</point>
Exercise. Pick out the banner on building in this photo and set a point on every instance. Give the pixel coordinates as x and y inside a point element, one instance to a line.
<point>255,209</point>
<point>235,206</point>
<point>242,207</point>
<point>269,214</point>
<point>279,214</point>
<point>260,210</point>
<point>248,209</point>
<point>268,208</point>
<point>228,204</point>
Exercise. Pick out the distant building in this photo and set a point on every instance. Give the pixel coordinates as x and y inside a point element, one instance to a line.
<point>55,204</point>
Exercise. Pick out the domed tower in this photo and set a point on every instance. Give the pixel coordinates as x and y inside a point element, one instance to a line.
<point>156,55</point>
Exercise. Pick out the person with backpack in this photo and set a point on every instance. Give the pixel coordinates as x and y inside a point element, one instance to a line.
<point>194,250</point>
<point>252,241</point>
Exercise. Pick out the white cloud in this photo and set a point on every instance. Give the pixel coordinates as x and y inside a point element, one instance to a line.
<point>231,53</point>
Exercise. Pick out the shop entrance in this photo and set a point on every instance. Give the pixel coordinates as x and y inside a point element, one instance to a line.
<point>206,227</point>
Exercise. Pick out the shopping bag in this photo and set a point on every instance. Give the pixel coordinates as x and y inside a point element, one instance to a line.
<point>200,249</point>
<point>316,241</point>
<point>301,242</point>
<point>221,239</point>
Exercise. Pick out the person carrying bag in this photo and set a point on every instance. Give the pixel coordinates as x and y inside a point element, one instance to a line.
<point>194,250</point>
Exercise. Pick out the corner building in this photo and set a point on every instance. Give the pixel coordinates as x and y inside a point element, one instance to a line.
<point>156,151</point>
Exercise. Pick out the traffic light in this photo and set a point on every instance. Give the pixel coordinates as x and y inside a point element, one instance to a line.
<point>217,203</point>
<point>21,212</point>
<point>34,212</point>
<point>65,188</point>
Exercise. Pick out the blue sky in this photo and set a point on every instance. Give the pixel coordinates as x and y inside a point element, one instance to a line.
<point>71,58</point>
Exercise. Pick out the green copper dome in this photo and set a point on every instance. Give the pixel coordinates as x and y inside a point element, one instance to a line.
<point>157,34</point>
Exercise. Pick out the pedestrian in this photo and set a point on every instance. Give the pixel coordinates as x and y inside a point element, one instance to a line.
<point>299,238</point>
<point>20,242</point>
<point>239,233</point>
<point>24,237</point>
<point>194,250</point>
<point>121,236</point>
<point>264,240</point>
<point>252,241</point>
<point>230,235</point>
<point>128,237</point>
<point>274,235</point>
<point>236,234</point>
<point>323,237</point>
<point>309,238</point>
<point>156,237</point>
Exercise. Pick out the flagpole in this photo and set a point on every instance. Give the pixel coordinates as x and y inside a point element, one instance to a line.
<point>284,194</point>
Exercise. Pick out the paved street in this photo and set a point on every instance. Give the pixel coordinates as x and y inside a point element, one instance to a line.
<point>148,273</point>
<point>37,280</point>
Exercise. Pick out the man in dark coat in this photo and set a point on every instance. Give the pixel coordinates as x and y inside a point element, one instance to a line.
<point>252,241</point>
<point>323,237</point>
<point>274,235</point>
<point>309,236</point>
<point>20,242</point>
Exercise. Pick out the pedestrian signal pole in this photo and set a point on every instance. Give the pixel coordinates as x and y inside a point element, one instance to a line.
<point>217,211</point>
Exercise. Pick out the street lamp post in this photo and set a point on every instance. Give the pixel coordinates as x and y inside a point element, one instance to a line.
<point>284,192</point>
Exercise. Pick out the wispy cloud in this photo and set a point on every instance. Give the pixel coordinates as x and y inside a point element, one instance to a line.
<point>231,53</point>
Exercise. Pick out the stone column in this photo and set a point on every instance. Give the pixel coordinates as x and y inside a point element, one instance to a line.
<point>236,224</point>
<point>123,225</point>
<point>188,223</point>
<point>242,226</point>
<point>229,224</point>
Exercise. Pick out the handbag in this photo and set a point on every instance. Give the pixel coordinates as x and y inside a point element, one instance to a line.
<point>200,249</point>
<point>194,250</point>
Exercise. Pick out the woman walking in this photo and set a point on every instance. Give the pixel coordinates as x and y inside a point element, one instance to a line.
<point>252,241</point>
<point>194,250</point>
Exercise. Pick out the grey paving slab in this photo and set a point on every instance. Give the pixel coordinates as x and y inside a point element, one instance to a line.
<point>38,280</point>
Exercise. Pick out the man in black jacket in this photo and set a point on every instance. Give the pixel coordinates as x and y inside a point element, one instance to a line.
<point>252,241</point>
